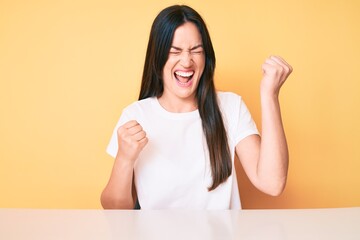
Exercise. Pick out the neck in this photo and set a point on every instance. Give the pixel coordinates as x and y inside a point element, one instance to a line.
<point>178,105</point>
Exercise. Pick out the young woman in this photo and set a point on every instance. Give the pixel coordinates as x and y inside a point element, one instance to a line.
<point>175,147</point>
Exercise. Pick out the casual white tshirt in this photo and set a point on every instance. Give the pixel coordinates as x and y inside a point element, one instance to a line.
<point>173,170</point>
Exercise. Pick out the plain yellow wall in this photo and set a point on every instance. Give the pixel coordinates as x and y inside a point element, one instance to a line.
<point>67,68</point>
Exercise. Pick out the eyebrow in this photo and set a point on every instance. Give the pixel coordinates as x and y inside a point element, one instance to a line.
<point>193,48</point>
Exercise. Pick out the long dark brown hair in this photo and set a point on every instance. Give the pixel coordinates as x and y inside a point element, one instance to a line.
<point>161,36</point>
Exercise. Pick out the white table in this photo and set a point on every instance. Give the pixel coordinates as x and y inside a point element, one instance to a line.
<point>339,223</point>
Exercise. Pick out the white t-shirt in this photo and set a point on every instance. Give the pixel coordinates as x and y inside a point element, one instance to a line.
<point>173,170</point>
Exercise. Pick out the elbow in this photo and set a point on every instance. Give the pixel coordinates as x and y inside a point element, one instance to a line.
<point>105,201</point>
<point>276,191</point>
<point>115,202</point>
<point>275,188</point>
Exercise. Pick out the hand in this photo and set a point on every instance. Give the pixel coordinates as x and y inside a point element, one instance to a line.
<point>131,140</point>
<point>275,72</point>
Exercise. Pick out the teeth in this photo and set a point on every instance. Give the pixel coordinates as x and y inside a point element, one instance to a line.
<point>184,74</point>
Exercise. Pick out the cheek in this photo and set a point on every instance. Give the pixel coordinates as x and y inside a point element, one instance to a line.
<point>201,62</point>
<point>166,70</point>
<point>168,67</point>
<point>202,67</point>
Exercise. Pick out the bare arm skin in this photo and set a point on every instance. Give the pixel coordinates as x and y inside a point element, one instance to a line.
<point>120,192</point>
<point>265,159</point>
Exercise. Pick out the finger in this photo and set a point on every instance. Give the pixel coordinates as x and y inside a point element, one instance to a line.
<point>130,124</point>
<point>282,62</point>
<point>279,59</point>
<point>265,67</point>
<point>279,65</point>
<point>270,62</point>
<point>139,136</point>
<point>135,129</point>
<point>143,141</point>
<point>128,129</point>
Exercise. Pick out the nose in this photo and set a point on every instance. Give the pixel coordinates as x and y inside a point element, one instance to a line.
<point>186,59</point>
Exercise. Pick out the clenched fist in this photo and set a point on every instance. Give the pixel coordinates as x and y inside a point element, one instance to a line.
<point>131,140</point>
<point>275,72</point>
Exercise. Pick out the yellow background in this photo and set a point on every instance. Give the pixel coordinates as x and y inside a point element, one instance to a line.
<point>67,68</point>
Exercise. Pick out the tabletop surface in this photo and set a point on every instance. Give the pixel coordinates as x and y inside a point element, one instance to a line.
<point>336,223</point>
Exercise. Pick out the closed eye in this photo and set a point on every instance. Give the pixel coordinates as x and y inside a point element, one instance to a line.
<point>175,50</point>
<point>197,51</point>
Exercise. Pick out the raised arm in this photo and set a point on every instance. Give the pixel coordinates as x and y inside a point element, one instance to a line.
<point>120,192</point>
<point>265,159</point>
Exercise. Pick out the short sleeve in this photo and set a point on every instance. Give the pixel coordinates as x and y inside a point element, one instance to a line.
<point>245,124</point>
<point>236,116</point>
<point>112,147</point>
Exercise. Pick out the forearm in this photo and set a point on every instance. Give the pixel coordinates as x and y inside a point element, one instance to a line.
<point>118,193</point>
<point>273,160</point>
<point>265,160</point>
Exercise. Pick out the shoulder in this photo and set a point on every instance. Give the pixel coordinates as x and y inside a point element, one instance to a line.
<point>139,106</point>
<point>228,99</point>
<point>138,110</point>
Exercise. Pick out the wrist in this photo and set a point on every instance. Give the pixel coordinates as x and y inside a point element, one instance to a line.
<point>124,161</point>
<point>267,96</point>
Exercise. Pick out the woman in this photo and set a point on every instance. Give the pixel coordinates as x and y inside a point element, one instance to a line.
<point>175,147</point>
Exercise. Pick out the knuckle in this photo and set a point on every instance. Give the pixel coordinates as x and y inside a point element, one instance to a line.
<point>120,131</point>
<point>287,68</point>
<point>139,128</point>
<point>123,130</point>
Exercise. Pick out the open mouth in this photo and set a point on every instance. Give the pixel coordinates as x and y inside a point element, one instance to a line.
<point>184,78</point>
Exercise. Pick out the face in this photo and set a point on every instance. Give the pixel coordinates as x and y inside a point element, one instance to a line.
<point>185,65</point>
